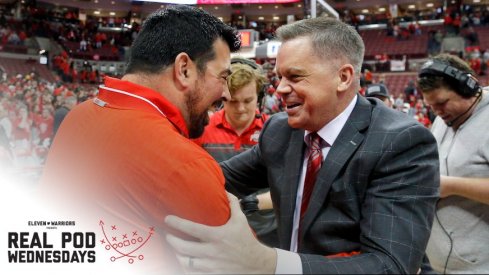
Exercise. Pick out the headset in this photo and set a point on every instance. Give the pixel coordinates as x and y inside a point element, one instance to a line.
<point>248,62</point>
<point>466,85</point>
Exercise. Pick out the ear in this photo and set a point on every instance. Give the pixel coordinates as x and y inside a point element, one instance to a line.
<point>346,75</point>
<point>184,71</point>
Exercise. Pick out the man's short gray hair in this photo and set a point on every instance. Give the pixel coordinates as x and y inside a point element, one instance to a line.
<point>331,39</point>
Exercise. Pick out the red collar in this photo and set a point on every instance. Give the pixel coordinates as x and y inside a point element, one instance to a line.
<point>140,98</point>
<point>220,121</point>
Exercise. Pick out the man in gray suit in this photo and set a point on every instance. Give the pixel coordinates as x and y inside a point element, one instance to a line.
<point>373,199</point>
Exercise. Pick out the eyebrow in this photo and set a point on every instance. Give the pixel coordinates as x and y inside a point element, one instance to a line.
<point>244,99</point>
<point>295,71</point>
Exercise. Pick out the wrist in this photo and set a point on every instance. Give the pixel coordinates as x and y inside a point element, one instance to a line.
<point>266,262</point>
<point>447,186</point>
<point>249,204</point>
<point>265,201</point>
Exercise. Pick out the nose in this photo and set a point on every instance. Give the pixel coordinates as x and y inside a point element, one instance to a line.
<point>282,87</point>
<point>435,108</point>
<point>241,107</point>
<point>437,111</point>
<point>226,95</point>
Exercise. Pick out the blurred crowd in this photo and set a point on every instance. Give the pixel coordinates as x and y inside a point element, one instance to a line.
<point>28,107</point>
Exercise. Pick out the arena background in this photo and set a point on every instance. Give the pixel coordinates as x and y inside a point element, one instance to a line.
<point>54,50</point>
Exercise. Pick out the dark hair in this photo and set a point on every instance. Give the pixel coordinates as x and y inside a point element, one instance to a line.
<point>176,29</point>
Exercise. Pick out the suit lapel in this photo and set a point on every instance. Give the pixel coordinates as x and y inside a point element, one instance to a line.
<point>292,170</point>
<point>343,148</point>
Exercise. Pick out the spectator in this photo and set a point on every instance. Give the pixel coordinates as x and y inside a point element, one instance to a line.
<point>438,36</point>
<point>6,155</point>
<point>45,125</point>
<point>417,28</point>
<point>475,62</point>
<point>368,76</point>
<point>410,90</point>
<point>433,46</point>
<point>22,136</point>
<point>5,122</point>
<point>471,37</point>
<point>379,91</point>
<point>271,102</point>
<point>61,112</point>
<point>14,38</point>
<point>423,119</point>
<point>235,129</point>
<point>83,45</point>
<point>461,228</point>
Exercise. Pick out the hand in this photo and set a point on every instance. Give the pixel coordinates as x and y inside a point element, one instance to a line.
<point>229,248</point>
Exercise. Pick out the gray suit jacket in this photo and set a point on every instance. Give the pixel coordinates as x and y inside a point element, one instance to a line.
<point>375,193</point>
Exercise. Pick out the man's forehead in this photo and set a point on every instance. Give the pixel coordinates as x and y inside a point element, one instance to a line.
<point>221,64</point>
<point>436,94</point>
<point>290,65</point>
<point>243,96</point>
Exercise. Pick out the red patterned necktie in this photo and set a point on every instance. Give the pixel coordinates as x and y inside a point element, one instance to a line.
<point>314,161</point>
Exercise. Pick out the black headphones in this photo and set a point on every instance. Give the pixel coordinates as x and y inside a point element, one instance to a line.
<point>248,62</point>
<point>465,84</point>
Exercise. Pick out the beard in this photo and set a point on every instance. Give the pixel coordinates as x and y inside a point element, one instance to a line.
<point>197,119</point>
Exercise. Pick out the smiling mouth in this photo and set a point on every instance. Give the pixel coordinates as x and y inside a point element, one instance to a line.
<point>291,106</point>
